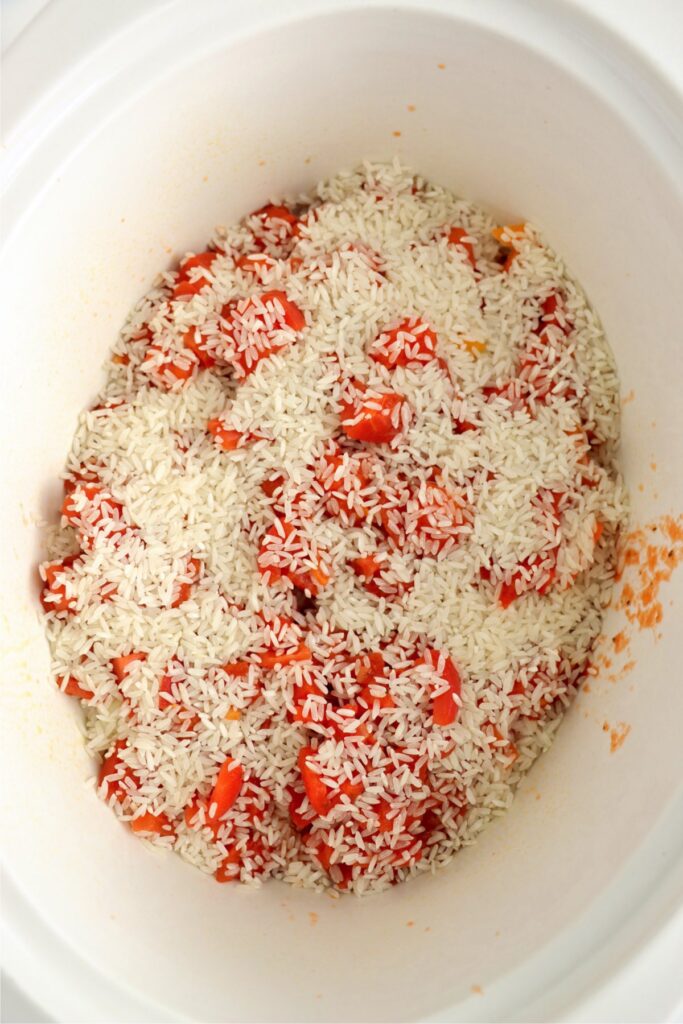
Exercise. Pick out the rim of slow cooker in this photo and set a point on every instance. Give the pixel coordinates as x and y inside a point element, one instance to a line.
<point>48,124</point>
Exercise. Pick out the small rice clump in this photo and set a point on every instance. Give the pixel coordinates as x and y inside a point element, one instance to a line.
<point>338,535</point>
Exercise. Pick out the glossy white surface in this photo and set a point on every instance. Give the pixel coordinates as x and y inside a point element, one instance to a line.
<point>537,112</point>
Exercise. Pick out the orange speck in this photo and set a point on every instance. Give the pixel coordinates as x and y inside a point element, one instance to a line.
<point>120,360</point>
<point>653,467</point>
<point>411,107</point>
<point>620,641</point>
<point>262,163</point>
<point>629,397</point>
<point>441,66</point>
<point>313,917</point>
<point>205,178</point>
<point>538,796</point>
<point>307,160</point>
<point>605,726</point>
<point>477,990</point>
<point>409,924</point>
<point>233,715</point>
<point>473,346</point>
<point>641,488</point>
<point>618,735</point>
<point>428,929</point>
<point>396,134</point>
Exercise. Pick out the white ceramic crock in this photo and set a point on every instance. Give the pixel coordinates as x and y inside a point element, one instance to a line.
<point>132,129</point>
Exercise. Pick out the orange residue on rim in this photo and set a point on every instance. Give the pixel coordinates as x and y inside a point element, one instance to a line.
<point>652,554</point>
<point>313,917</point>
<point>629,397</point>
<point>620,641</point>
<point>618,735</point>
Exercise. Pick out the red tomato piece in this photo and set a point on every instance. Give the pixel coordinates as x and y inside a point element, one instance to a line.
<point>271,488</point>
<point>317,792</point>
<point>156,824</point>
<point>343,479</point>
<point>55,596</point>
<point>229,868</point>
<point>226,789</point>
<point>445,705</point>
<point>412,343</point>
<point>121,666</point>
<point>166,369</point>
<point>275,659</point>
<point>257,264</point>
<point>73,688</point>
<point>112,765</point>
<point>373,416</point>
<point>258,327</point>
<point>185,285</point>
<point>279,216</point>
<point>183,590</point>
<point>282,543</point>
<point>194,340</point>
<point>298,819</point>
<point>460,238</point>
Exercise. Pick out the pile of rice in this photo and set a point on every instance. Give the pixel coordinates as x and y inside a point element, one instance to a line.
<point>338,535</point>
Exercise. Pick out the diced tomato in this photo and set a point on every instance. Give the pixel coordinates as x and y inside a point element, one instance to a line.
<point>184,286</point>
<point>283,535</point>
<point>324,854</point>
<point>373,416</point>
<point>297,818</point>
<point>165,697</point>
<point>506,237</point>
<point>185,588</point>
<point>271,487</point>
<point>91,503</point>
<point>550,307</point>
<point>445,705</point>
<point>367,566</point>
<point>279,216</point>
<point>157,824</point>
<point>370,666</point>
<point>54,596</point>
<point>229,868</point>
<point>169,372</point>
<point>121,666</point>
<point>239,669</point>
<point>411,343</point>
<point>73,688</point>
<point>460,238</point>
<point>258,327</point>
<point>352,789</point>
<point>111,765</point>
<point>226,438</point>
<point>258,264</point>
<point>438,519</point>
<point>598,531</point>
<point>276,659</point>
<point>317,792</point>
<point>343,479</point>
<point>194,340</point>
<point>227,788</point>
<point>385,821</point>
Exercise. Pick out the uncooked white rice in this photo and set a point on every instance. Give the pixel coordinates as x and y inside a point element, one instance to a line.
<point>498,485</point>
